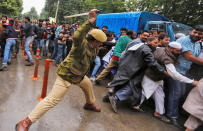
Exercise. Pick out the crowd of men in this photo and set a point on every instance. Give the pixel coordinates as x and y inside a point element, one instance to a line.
<point>41,34</point>
<point>143,64</point>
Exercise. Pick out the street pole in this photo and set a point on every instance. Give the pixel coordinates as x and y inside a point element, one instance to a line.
<point>57,8</point>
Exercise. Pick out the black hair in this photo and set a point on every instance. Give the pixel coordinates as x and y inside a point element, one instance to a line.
<point>109,34</point>
<point>130,32</point>
<point>139,32</point>
<point>97,27</point>
<point>61,23</point>
<point>27,17</point>
<point>123,29</point>
<point>40,20</point>
<point>143,31</point>
<point>199,28</point>
<point>160,31</point>
<point>11,22</point>
<point>90,38</point>
<point>162,36</point>
<point>4,16</point>
<point>152,38</point>
<point>105,27</point>
<point>47,20</point>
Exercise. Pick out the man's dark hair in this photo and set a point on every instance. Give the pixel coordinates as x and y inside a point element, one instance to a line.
<point>11,22</point>
<point>123,29</point>
<point>47,20</point>
<point>139,32</point>
<point>40,20</point>
<point>4,16</point>
<point>130,32</point>
<point>27,17</point>
<point>199,28</point>
<point>162,36</point>
<point>109,34</point>
<point>97,27</point>
<point>105,27</point>
<point>61,23</point>
<point>143,31</point>
<point>161,31</point>
<point>151,38</point>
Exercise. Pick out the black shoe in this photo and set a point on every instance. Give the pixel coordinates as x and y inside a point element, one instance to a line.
<point>9,62</point>
<point>114,102</point>
<point>3,68</point>
<point>176,123</point>
<point>106,97</point>
<point>29,64</point>
<point>97,82</point>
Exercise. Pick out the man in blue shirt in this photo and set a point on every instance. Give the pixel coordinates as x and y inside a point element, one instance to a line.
<point>190,52</point>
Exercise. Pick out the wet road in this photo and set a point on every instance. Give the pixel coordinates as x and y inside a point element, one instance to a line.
<point>19,93</point>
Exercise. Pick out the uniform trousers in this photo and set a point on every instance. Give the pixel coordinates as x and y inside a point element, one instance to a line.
<point>58,91</point>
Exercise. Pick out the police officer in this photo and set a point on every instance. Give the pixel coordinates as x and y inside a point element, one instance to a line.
<point>72,71</point>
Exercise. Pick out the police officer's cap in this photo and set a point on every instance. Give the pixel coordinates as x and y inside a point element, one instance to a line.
<point>98,35</point>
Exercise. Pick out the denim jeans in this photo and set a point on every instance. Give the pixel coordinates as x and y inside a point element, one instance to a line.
<point>38,44</point>
<point>176,90</point>
<point>53,55</point>
<point>7,51</point>
<point>60,53</point>
<point>27,48</point>
<point>96,67</point>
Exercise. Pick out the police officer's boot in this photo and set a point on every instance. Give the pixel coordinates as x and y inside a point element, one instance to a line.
<point>24,125</point>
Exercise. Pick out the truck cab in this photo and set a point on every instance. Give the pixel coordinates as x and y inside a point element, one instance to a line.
<point>171,28</point>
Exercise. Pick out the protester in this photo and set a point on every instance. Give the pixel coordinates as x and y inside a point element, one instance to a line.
<point>194,106</point>
<point>39,31</point>
<point>164,40</point>
<point>72,70</point>
<point>17,26</point>
<point>27,29</point>
<point>61,47</point>
<point>152,82</point>
<point>58,30</point>
<point>119,48</point>
<point>104,28</point>
<point>11,36</point>
<point>190,52</point>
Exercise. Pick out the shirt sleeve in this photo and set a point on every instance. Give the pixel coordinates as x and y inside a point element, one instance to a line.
<point>176,75</point>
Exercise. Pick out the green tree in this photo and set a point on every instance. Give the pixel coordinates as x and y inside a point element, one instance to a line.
<point>32,14</point>
<point>189,12</point>
<point>11,7</point>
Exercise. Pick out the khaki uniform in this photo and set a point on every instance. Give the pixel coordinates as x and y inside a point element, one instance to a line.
<point>82,54</point>
<point>71,71</point>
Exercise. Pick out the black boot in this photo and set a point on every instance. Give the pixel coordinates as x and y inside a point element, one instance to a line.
<point>3,67</point>
<point>106,97</point>
<point>176,123</point>
<point>114,102</point>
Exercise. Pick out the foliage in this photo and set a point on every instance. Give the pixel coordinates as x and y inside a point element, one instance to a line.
<point>32,14</point>
<point>11,7</point>
<point>70,7</point>
<point>189,12</point>
<point>184,11</point>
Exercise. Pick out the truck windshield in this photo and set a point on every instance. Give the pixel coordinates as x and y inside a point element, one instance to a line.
<point>181,28</point>
<point>159,27</point>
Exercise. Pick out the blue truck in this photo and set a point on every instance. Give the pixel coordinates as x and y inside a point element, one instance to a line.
<point>141,21</point>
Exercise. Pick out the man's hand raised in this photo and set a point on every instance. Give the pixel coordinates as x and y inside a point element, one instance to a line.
<point>93,15</point>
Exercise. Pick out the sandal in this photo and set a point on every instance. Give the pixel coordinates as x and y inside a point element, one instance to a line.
<point>137,109</point>
<point>163,119</point>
